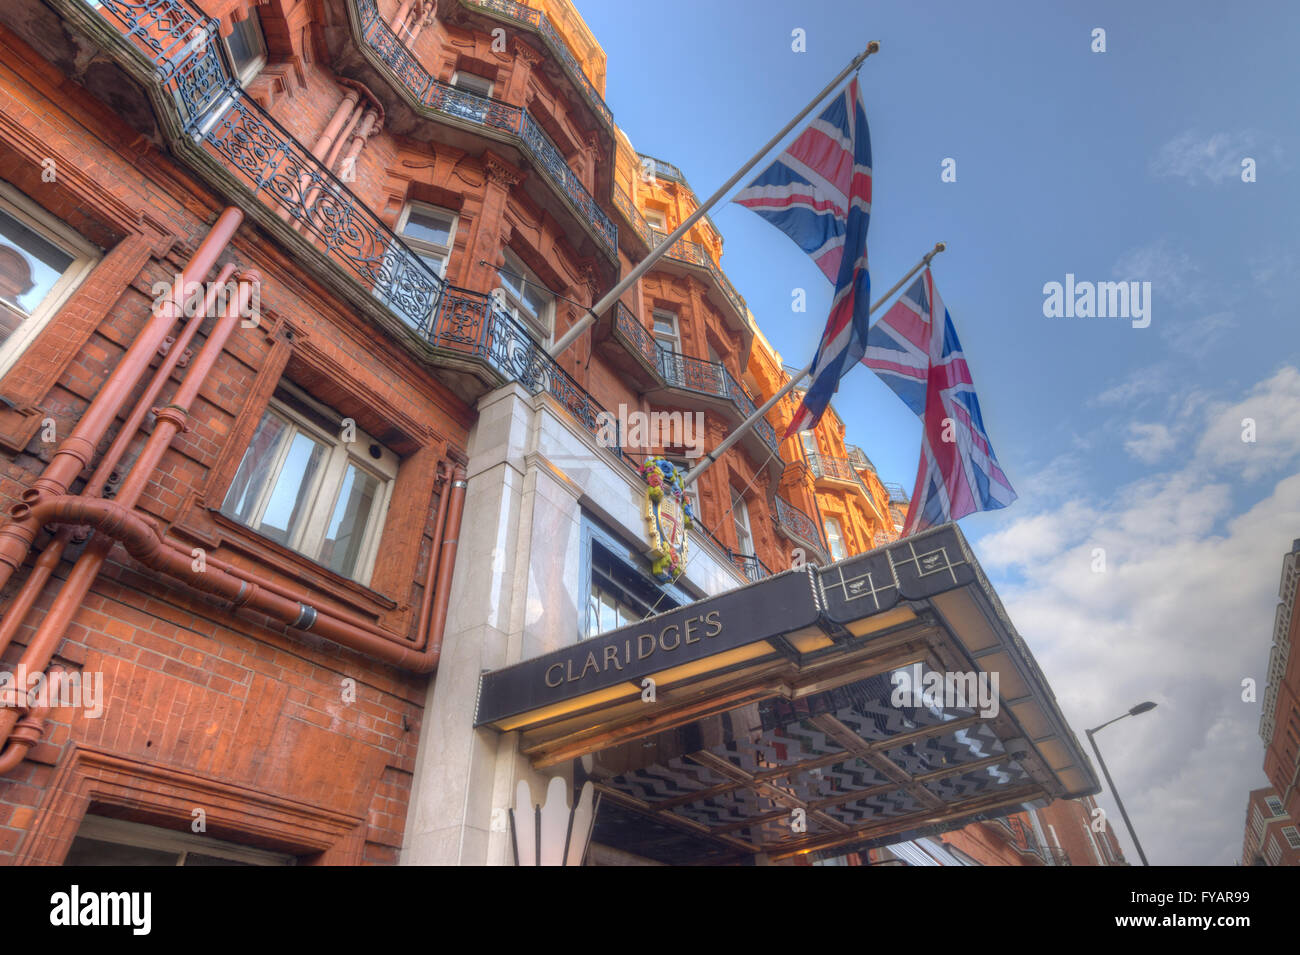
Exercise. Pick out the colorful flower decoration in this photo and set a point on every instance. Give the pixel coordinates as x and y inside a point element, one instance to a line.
<point>666,526</point>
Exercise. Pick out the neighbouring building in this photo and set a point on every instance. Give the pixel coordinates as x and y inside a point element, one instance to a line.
<point>1271,814</point>
<point>330,561</point>
<point>1272,837</point>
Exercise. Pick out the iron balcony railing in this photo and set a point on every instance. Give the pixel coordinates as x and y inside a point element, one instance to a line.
<point>858,458</point>
<point>896,494</point>
<point>691,374</point>
<point>539,21</point>
<point>180,41</point>
<point>695,254</point>
<point>177,39</point>
<point>833,469</point>
<point>623,202</point>
<point>798,523</point>
<point>484,111</point>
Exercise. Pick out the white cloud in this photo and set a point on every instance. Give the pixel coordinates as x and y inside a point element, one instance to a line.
<point>1274,407</point>
<point>1181,614</point>
<point>1196,157</point>
<point>1149,442</point>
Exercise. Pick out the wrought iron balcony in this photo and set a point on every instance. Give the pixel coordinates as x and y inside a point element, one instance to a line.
<point>750,565</point>
<point>833,469</point>
<point>798,523</point>
<point>691,374</point>
<point>695,254</point>
<point>539,21</point>
<point>178,39</point>
<point>859,459</point>
<point>623,202</point>
<point>484,111</point>
<point>896,494</point>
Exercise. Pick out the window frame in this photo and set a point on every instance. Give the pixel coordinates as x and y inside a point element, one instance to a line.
<point>596,534</point>
<point>516,308</point>
<point>85,256</point>
<point>457,75</point>
<point>740,508</point>
<point>323,492</point>
<point>1268,804</point>
<point>662,225</point>
<point>832,539</point>
<point>656,315</point>
<point>253,67</point>
<point>143,836</point>
<point>423,246</point>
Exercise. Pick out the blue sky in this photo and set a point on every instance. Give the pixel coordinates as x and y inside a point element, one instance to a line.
<point>1116,165</point>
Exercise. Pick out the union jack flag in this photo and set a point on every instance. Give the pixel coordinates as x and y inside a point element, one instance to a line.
<point>818,192</point>
<point>958,473</point>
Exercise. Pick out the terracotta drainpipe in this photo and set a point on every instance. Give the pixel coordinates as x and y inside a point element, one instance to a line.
<point>75,452</point>
<point>399,18</point>
<point>53,553</point>
<point>171,419</point>
<point>144,542</point>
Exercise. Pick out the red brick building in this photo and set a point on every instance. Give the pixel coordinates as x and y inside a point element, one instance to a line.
<point>1272,836</point>
<point>1279,724</point>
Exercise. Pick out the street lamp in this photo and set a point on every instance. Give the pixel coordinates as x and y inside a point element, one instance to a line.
<point>1140,708</point>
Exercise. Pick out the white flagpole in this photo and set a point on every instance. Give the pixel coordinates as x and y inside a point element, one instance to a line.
<point>799,376</point>
<point>610,297</point>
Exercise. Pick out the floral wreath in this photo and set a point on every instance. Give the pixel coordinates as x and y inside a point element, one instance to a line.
<point>661,476</point>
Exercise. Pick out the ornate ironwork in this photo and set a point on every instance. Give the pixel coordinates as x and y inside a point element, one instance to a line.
<point>484,111</point>
<point>797,522</point>
<point>280,170</point>
<point>623,202</point>
<point>636,335</point>
<point>695,254</point>
<point>538,20</point>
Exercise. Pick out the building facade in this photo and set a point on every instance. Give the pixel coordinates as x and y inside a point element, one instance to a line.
<point>294,487</point>
<point>1272,837</point>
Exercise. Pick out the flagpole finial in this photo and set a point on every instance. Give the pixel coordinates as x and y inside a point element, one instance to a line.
<point>873,47</point>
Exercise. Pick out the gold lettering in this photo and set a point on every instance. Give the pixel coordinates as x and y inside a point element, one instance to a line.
<point>611,656</point>
<point>676,642</point>
<point>554,666</point>
<point>591,664</point>
<point>627,650</point>
<point>711,618</point>
<point>690,626</point>
<point>570,667</point>
<point>641,652</point>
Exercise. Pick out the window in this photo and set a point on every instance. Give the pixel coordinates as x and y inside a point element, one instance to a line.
<point>1292,836</point>
<point>526,299</point>
<point>430,232</point>
<point>620,595</point>
<point>41,262</point>
<point>247,46</point>
<point>835,538</point>
<point>740,515</point>
<point>809,441</point>
<point>104,841</point>
<point>470,83</point>
<point>472,107</point>
<point>667,336</point>
<point>1274,806</point>
<point>303,484</point>
<point>1274,851</point>
<point>656,220</point>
